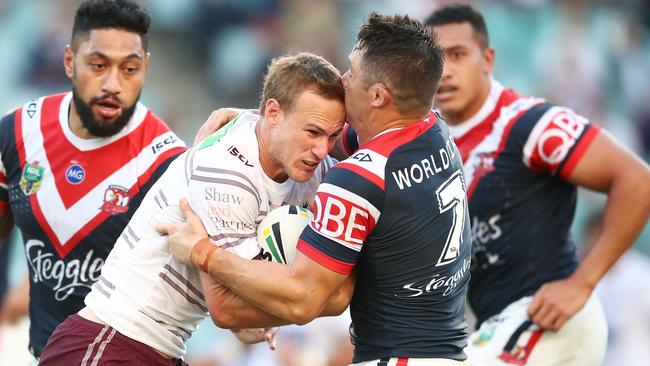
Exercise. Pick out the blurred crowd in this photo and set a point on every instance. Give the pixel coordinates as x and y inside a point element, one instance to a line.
<point>590,55</point>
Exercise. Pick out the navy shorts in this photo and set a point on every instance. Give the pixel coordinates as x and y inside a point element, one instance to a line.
<point>78,341</point>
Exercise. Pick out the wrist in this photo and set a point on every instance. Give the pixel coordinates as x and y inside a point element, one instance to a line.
<point>202,253</point>
<point>583,280</point>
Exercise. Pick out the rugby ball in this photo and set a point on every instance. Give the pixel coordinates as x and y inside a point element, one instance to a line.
<point>278,233</point>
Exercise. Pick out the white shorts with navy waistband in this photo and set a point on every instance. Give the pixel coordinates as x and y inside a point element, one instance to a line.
<point>510,338</point>
<point>405,361</point>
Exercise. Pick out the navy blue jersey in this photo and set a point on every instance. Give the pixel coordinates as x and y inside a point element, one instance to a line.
<point>395,212</point>
<point>518,153</point>
<point>4,267</point>
<point>72,198</point>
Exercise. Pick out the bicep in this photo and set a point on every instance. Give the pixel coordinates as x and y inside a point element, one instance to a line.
<point>602,162</point>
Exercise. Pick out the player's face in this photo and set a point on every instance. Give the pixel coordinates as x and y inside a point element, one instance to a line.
<point>466,74</point>
<point>304,136</point>
<point>108,71</point>
<point>357,96</point>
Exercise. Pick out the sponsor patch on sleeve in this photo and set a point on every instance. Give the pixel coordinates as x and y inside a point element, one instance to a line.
<point>557,136</point>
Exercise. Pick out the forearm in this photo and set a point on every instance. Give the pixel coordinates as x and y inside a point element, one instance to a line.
<point>230,311</point>
<point>6,225</point>
<point>626,213</point>
<point>273,287</point>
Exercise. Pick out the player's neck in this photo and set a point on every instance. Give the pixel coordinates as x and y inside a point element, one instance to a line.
<point>268,164</point>
<point>383,120</point>
<point>472,108</point>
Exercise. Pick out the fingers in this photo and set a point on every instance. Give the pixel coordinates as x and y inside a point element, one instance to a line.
<point>535,305</point>
<point>207,128</point>
<point>186,209</point>
<point>270,336</point>
<point>545,317</point>
<point>165,229</point>
<point>559,322</point>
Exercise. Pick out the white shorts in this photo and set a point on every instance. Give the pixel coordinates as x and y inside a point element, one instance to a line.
<point>403,361</point>
<point>509,338</point>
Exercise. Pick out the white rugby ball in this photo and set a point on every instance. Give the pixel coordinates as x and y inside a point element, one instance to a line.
<point>278,233</point>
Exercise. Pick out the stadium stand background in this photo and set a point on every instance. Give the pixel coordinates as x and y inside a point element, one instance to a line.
<point>591,55</point>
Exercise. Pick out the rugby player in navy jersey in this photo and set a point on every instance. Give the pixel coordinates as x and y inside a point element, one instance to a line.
<point>74,166</point>
<point>395,212</point>
<point>523,160</point>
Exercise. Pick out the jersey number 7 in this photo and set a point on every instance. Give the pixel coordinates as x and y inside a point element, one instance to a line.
<point>451,196</point>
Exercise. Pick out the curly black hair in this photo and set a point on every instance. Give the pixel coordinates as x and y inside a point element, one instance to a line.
<point>110,14</point>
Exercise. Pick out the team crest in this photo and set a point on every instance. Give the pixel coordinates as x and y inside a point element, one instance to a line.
<point>116,200</point>
<point>484,165</point>
<point>30,181</point>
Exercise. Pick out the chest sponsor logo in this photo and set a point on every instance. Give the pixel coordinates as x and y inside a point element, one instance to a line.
<point>75,174</point>
<point>213,194</point>
<point>160,145</point>
<point>234,152</point>
<point>116,200</point>
<point>234,224</point>
<point>65,276</point>
<point>484,232</point>
<point>30,180</point>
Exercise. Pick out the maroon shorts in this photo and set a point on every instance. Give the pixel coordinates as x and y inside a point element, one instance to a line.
<point>78,341</point>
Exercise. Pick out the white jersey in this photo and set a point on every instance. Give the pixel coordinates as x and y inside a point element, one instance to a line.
<point>143,291</point>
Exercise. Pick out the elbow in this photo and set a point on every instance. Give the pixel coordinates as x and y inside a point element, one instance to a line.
<point>223,319</point>
<point>221,316</point>
<point>302,312</point>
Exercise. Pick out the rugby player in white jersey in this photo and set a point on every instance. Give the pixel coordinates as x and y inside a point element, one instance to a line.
<point>146,303</point>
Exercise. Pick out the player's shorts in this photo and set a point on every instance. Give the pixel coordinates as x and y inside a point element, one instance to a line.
<point>510,338</point>
<point>78,341</point>
<point>405,361</point>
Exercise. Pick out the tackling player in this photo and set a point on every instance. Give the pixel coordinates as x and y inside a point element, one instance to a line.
<point>75,166</point>
<point>395,212</point>
<point>523,159</point>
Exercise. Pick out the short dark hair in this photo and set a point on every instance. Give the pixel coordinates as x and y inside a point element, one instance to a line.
<point>110,14</point>
<point>289,76</point>
<point>403,54</point>
<point>461,13</point>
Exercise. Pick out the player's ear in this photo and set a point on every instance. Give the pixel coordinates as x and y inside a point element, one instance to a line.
<point>68,61</point>
<point>488,59</point>
<point>147,56</point>
<point>273,111</point>
<point>379,95</point>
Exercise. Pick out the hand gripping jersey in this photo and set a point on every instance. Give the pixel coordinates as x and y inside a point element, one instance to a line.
<point>518,153</point>
<point>72,197</point>
<point>395,211</point>
<point>144,292</point>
